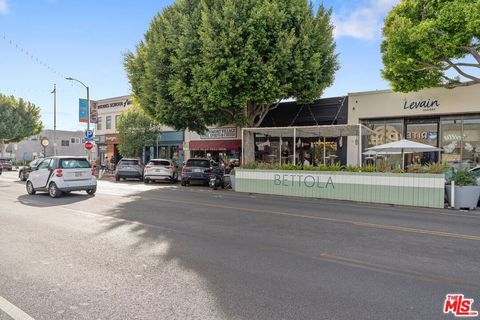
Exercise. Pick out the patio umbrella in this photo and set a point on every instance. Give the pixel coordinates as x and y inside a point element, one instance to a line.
<point>404,146</point>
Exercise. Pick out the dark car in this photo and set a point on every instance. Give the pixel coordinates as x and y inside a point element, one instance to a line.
<point>25,171</point>
<point>196,170</point>
<point>129,168</point>
<point>6,164</point>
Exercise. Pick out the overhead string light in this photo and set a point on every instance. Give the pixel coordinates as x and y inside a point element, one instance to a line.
<point>31,56</point>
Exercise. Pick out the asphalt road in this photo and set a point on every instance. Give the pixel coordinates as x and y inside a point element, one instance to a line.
<point>166,252</point>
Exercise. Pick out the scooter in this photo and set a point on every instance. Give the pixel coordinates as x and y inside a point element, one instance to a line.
<point>217,178</point>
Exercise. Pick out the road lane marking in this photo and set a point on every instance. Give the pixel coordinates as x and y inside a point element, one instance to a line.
<point>324,257</point>
<point>14,312</point>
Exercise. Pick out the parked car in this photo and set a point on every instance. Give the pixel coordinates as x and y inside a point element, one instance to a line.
<point>57,175</point>
<point>1,168</point>
<point>6,164</point>
<point>160,169</point>
<point>196,170</point>
<point>476,172</point>
<point>25,171</point>
<point>129,168</point>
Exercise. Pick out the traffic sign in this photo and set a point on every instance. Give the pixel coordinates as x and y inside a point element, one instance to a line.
<point>89,135</point>
<point>88,145</point>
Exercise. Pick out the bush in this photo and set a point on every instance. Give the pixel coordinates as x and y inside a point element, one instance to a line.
<point>464,177</point>
<point>398,170</point>
<point>382,166</point>
<point>368,168</point>
<point>353,169</point>
<point>435,168</point>
<point>415,168</point>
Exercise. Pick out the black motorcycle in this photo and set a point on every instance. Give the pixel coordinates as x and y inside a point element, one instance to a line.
<point>217,178</point>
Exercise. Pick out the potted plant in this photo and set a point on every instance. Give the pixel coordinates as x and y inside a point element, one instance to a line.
<point>466,191</point>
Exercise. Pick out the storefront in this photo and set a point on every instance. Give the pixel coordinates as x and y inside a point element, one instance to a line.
<point>318,149</point>
<point>169,145</point>
<point>111,143</point>
<point>448,119</point>
<point>217,143</point>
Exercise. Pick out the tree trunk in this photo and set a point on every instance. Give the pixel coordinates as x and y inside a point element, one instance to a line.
<point>3,148</point>
<point>248,147</point>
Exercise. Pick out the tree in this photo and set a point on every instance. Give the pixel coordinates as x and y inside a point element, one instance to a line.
<point>19,119</point>
<point>135,130</point>
<point>218,62</point>
<point>432,43</point>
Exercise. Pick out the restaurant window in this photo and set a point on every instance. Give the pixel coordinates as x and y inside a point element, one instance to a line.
<point>451,141</point>
<point>99,123</point>
<point>471,142</point>
<point>75,140</point>
<point>108,123</point>
<point>65,143</point>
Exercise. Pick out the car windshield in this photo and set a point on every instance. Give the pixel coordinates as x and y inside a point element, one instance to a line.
<point>198,163</point>
<point>129,162</point>
<point>159,163</point>
<point>74,164</point>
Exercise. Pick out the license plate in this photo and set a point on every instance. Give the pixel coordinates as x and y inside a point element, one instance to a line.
<point>78,174</point>
<point>197,170</point>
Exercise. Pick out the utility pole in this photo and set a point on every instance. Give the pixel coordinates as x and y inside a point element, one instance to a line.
<point>54,119</point>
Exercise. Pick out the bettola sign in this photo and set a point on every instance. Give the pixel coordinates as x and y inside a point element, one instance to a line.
<point>301,180</point>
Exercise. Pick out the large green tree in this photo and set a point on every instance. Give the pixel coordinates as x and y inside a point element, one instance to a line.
<point>217,62</point>
<point>135,130</point>
<point>19,119</point>
<point>432,43</point>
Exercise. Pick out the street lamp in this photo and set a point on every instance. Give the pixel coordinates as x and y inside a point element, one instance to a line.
<point>88,99</point>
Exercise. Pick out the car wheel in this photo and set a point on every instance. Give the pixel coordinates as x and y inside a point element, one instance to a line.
<point>92,191</point>
<point>24,176</point>
<point>183,183</point>
<point>53,190</point>
<point>117,178</point>
<point>146,181</point>
<point>30,189</point>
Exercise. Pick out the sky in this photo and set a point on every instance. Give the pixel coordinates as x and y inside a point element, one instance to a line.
<point>44,41</point>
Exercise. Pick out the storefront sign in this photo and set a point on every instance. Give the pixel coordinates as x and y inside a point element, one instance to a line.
<point>425,105</point>
<point>424,135</point>
<point>301,180</point>
<point>220,133</point>
<point>125,103</point>
<point>111,139</point>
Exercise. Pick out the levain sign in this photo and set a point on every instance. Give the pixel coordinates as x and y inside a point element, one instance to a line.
<point>302,180</point>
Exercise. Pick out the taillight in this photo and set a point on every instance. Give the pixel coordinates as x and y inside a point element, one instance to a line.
<point>59,173</point>
<point>168,167</point>
<point>185,168</point>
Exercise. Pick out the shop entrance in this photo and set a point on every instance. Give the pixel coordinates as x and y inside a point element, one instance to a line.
<point>423,131</point>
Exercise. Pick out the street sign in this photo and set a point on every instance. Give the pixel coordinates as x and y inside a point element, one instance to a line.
<point>89,135</point>
<point>88,145</point>
<point>25,156</point>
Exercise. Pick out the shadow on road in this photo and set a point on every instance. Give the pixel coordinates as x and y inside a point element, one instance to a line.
<point>43,200</point>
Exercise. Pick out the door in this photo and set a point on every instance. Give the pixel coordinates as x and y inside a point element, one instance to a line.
<point>40,176</point>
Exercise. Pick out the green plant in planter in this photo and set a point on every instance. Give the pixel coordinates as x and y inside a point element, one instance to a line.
<point>435,168</point>
<point>382,166</point>
<point>398,170</point>
<point>415,168</point>
<point>368,168</point>
<point>353,169</point>
<point>464,178</point>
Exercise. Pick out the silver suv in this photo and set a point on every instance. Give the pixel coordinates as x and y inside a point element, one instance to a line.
<point>129,168</point>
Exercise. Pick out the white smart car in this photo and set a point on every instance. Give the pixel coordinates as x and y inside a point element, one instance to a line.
<point>57,175</point>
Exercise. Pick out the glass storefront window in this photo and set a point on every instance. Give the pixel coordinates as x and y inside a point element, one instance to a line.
<point>451,141</point>
<point>471,142</point>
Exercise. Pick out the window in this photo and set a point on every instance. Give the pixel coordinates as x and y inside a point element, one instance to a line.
<point>74,163</point>
<point>99,123</point>
<point>108,123</point>
<point>116,120</point>
<point>75,140</point>
<point>65,143</point>
<point>44,165</point>
<point>198,163</point>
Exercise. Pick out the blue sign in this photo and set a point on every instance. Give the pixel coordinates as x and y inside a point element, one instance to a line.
<point>83,110</point>
<point>89,135</point>
<point>25,156</point>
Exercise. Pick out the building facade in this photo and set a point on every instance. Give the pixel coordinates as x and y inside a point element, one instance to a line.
<point>69,143</point>
<point>106,133</point>
<point>444,118</point>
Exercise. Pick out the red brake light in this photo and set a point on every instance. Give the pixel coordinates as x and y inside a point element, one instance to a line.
<point>59,173</point>
<point>184,168</point>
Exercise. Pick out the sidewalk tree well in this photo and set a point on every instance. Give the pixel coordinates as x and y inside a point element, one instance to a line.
<point>135,129</point>
<point>431,43</point>
<point>19,119</point>
<point>219,62</point>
